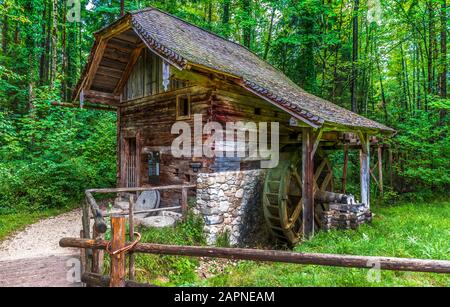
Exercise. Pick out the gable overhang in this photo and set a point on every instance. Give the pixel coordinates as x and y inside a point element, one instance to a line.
<point>179,62</point>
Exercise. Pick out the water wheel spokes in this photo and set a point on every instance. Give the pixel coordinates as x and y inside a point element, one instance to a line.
<point>282,198</point>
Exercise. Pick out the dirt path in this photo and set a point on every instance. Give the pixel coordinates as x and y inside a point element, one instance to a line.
<point>33,257</point>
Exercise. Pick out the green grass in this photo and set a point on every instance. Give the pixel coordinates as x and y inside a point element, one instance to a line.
<point>16,221</point>
<point>402,230</point>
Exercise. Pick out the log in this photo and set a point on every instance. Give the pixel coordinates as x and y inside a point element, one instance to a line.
<point>100,223</point>
<point>330,197</point>
<point>97,280</point>
<point>141,189</point>
<point>349,261</point>
<point>144,211</point>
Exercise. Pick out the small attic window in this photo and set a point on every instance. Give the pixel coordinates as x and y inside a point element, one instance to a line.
<point>257,111</point>
<point>183,106</point>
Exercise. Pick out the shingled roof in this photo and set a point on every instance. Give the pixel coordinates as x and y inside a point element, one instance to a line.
<point>182,43</point>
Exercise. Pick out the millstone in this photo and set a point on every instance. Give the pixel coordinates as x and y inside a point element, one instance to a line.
<point>148,200</point>
<point>157,221</point>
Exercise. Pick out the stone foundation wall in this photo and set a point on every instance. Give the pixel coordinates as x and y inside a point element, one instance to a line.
<point>230,202</point>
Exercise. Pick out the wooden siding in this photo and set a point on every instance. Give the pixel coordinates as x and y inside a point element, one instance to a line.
<point>146,78</point>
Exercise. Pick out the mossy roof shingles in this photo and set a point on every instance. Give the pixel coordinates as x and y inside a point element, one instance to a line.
<point>183,42</point>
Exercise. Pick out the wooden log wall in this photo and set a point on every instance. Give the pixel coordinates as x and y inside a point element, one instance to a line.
<point>151,119</point>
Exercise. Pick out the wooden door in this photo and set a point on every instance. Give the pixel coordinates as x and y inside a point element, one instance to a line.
<point>131,162</point>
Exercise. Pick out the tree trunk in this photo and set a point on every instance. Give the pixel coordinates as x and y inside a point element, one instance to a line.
<point>54,43</point>
<point>383,97</point>
<point>226,18</point>
<point>443,75</point>
<point>430,46</point>
<point>5,32</point>
<point>210,14</point>
<point>269,35</point>
<point>122,8</point>
<point>64,56</point>
<point>354,76</point>
<point>247,31</point>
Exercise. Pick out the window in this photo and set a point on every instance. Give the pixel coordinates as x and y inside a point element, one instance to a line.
<point>183,107</point>
<point>257,111</point>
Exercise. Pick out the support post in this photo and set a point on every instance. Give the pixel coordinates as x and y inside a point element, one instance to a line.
<point>184,202</point>
<point>344,170</point>
<point>118,260</point>
<point>97,255</point>
<point>308,182</point>
<point>380,169</point>
<point>364,158</point>
<point>131,271</point>
<point>86,234</point>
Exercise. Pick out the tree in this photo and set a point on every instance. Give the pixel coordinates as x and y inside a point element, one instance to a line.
<point>246,28</point>
<point>354,76</point>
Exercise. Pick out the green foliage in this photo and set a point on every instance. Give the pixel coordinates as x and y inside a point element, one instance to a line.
<point>422,153</point>
<point>50,156</point>
<point>171,270</point>
<point>223,239</point>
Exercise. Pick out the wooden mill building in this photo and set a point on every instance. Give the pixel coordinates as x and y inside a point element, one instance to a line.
<point>155,69</point>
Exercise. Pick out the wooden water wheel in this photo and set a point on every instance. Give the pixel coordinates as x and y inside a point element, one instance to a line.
<point>282,197</point>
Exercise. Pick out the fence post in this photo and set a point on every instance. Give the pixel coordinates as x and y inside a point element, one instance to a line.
<point>118,260</point>
<point>131,231</point>
<point>97,255</point>
<point>184,202</point>
<point>86,234</point>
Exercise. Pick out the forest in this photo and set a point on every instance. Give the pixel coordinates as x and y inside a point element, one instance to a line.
<point>384,59</point>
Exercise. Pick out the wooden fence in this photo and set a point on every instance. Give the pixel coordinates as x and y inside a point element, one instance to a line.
<point>118,248</point>
<point>92,258</point>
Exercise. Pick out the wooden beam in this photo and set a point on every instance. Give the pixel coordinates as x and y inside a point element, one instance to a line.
<point>117,28</point>
<point>95,64</point>
<point>380,169</point>
<point>348,261</point>
<point>117,260</point>
<point>344,170</point>
<point>101,98</point>
<point>364,158</point>
<point>77,106</point>
<point>128,69</point>
<point>308,183</point>
<point>317,137</point>
<point>97,280</point>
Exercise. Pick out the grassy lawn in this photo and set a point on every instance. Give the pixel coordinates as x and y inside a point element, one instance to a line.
<point>402,230</point>
<point>13,222</point>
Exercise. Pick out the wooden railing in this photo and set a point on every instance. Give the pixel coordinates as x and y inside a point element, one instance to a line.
<point>118,248</point>
<point>92,258</point>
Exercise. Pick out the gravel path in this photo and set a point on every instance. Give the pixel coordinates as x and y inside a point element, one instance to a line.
<point>42,238</point>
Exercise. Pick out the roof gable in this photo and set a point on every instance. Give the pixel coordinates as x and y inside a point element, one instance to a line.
<point>183,44</point>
